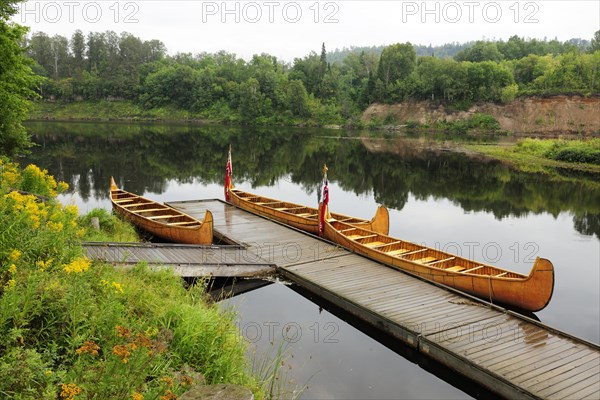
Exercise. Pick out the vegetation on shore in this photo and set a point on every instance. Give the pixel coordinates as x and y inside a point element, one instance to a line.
<point>72,328</point>
<point>534,154</point>
<point>108,76</point>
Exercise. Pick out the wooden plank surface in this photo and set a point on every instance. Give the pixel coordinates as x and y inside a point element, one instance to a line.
<point>185,260</point>
<point>512,355</point>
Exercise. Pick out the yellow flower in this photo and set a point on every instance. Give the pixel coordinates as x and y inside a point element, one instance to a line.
<point>137,396</point>
<point>43,264</point>
<point>69,391</point>
<point>62,186</point>
<point>49,372</point>
<point>78,265</point>
<point>35,221</point>
<point>12,269</point>
<point>15,254</point>
<point>72,210</point>
<point>11,283</point>
<point>54,226</point>
<point>168,381</point>
<point>10,177</point>
<point>118,287</point>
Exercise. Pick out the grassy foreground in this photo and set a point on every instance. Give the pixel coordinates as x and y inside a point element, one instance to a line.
<point>535,154</point>
<point>71,328</point>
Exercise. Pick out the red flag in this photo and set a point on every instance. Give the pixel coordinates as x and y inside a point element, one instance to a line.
<point>228,173</point>
<point>323,211</point>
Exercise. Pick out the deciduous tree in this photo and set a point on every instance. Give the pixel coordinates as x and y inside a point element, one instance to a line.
<point>16,83</point>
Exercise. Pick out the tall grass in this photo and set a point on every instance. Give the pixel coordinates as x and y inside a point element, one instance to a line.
<point>71,328</point>
<point>573,151</point>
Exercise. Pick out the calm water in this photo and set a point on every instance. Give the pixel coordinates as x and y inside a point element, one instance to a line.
<point>474,207</point>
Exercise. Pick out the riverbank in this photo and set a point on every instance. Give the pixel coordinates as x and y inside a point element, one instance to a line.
<point>129,111</point>
<point>540,155</point>
<point>104,110</point>
<point>75,328</point>
<point>540,116</point>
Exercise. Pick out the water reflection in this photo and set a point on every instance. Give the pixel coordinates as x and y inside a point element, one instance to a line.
<point>145,157</point>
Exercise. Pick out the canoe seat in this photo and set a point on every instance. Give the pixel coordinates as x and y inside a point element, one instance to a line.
<point>441,261</point>
<point>150,210</point>
<point>473,269</point>
<point>136,204</point>
<point>282,209</point>
<point>382,244</point>
<point>307,215</point>
<point>396,252</point>
<point>425,260</point>
<point>185,223</point>
<point>456,268</point>
<point>500,275</point>
<point>357,237</point>
<point>128,200</point>
<point>164,216</point>
<point>374,244</point>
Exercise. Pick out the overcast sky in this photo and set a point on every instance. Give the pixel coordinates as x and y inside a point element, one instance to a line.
<point>289,29</point>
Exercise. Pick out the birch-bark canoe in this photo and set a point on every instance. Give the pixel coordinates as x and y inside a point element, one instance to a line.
<point>530,292</point>
<point>161,220</point>
<point>299,216</point>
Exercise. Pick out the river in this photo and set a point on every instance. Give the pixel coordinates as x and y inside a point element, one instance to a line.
<point>467,205</point>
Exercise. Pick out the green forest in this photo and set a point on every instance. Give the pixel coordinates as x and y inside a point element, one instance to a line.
<point>318,89</point>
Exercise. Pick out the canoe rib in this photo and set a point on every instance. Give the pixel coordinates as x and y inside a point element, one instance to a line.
<point>529,292</point>
<point>302,217</point>
<point>161,220</point>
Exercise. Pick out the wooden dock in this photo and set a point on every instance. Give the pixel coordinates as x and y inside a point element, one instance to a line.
<point>186,260</point>
<point>513,356</point>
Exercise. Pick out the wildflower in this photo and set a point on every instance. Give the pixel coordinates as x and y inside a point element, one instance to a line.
<point>78,265</point>
<point>15,254</point>
<point>35,221</point>
<point>69,391</point>
<point>118,287</point>
<point>137,396</point>
<point>11,283</point>
<point>48,372</point>
<point>62,186</point>
<point>121,330</point>
<point>54,226</point>
<point>168,381</point>
<point>10,177</point>
<point>187,380</point>
<point>42,265</point>
<point>90,347</point>
<point>12,269</point>
<point>151,331</point>
<point>123,352</point>
<point>168,396</point>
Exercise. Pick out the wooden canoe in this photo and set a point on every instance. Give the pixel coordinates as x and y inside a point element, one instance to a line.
<point>528,292</point>
<point>161,220</point>
<point>301,217</point>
